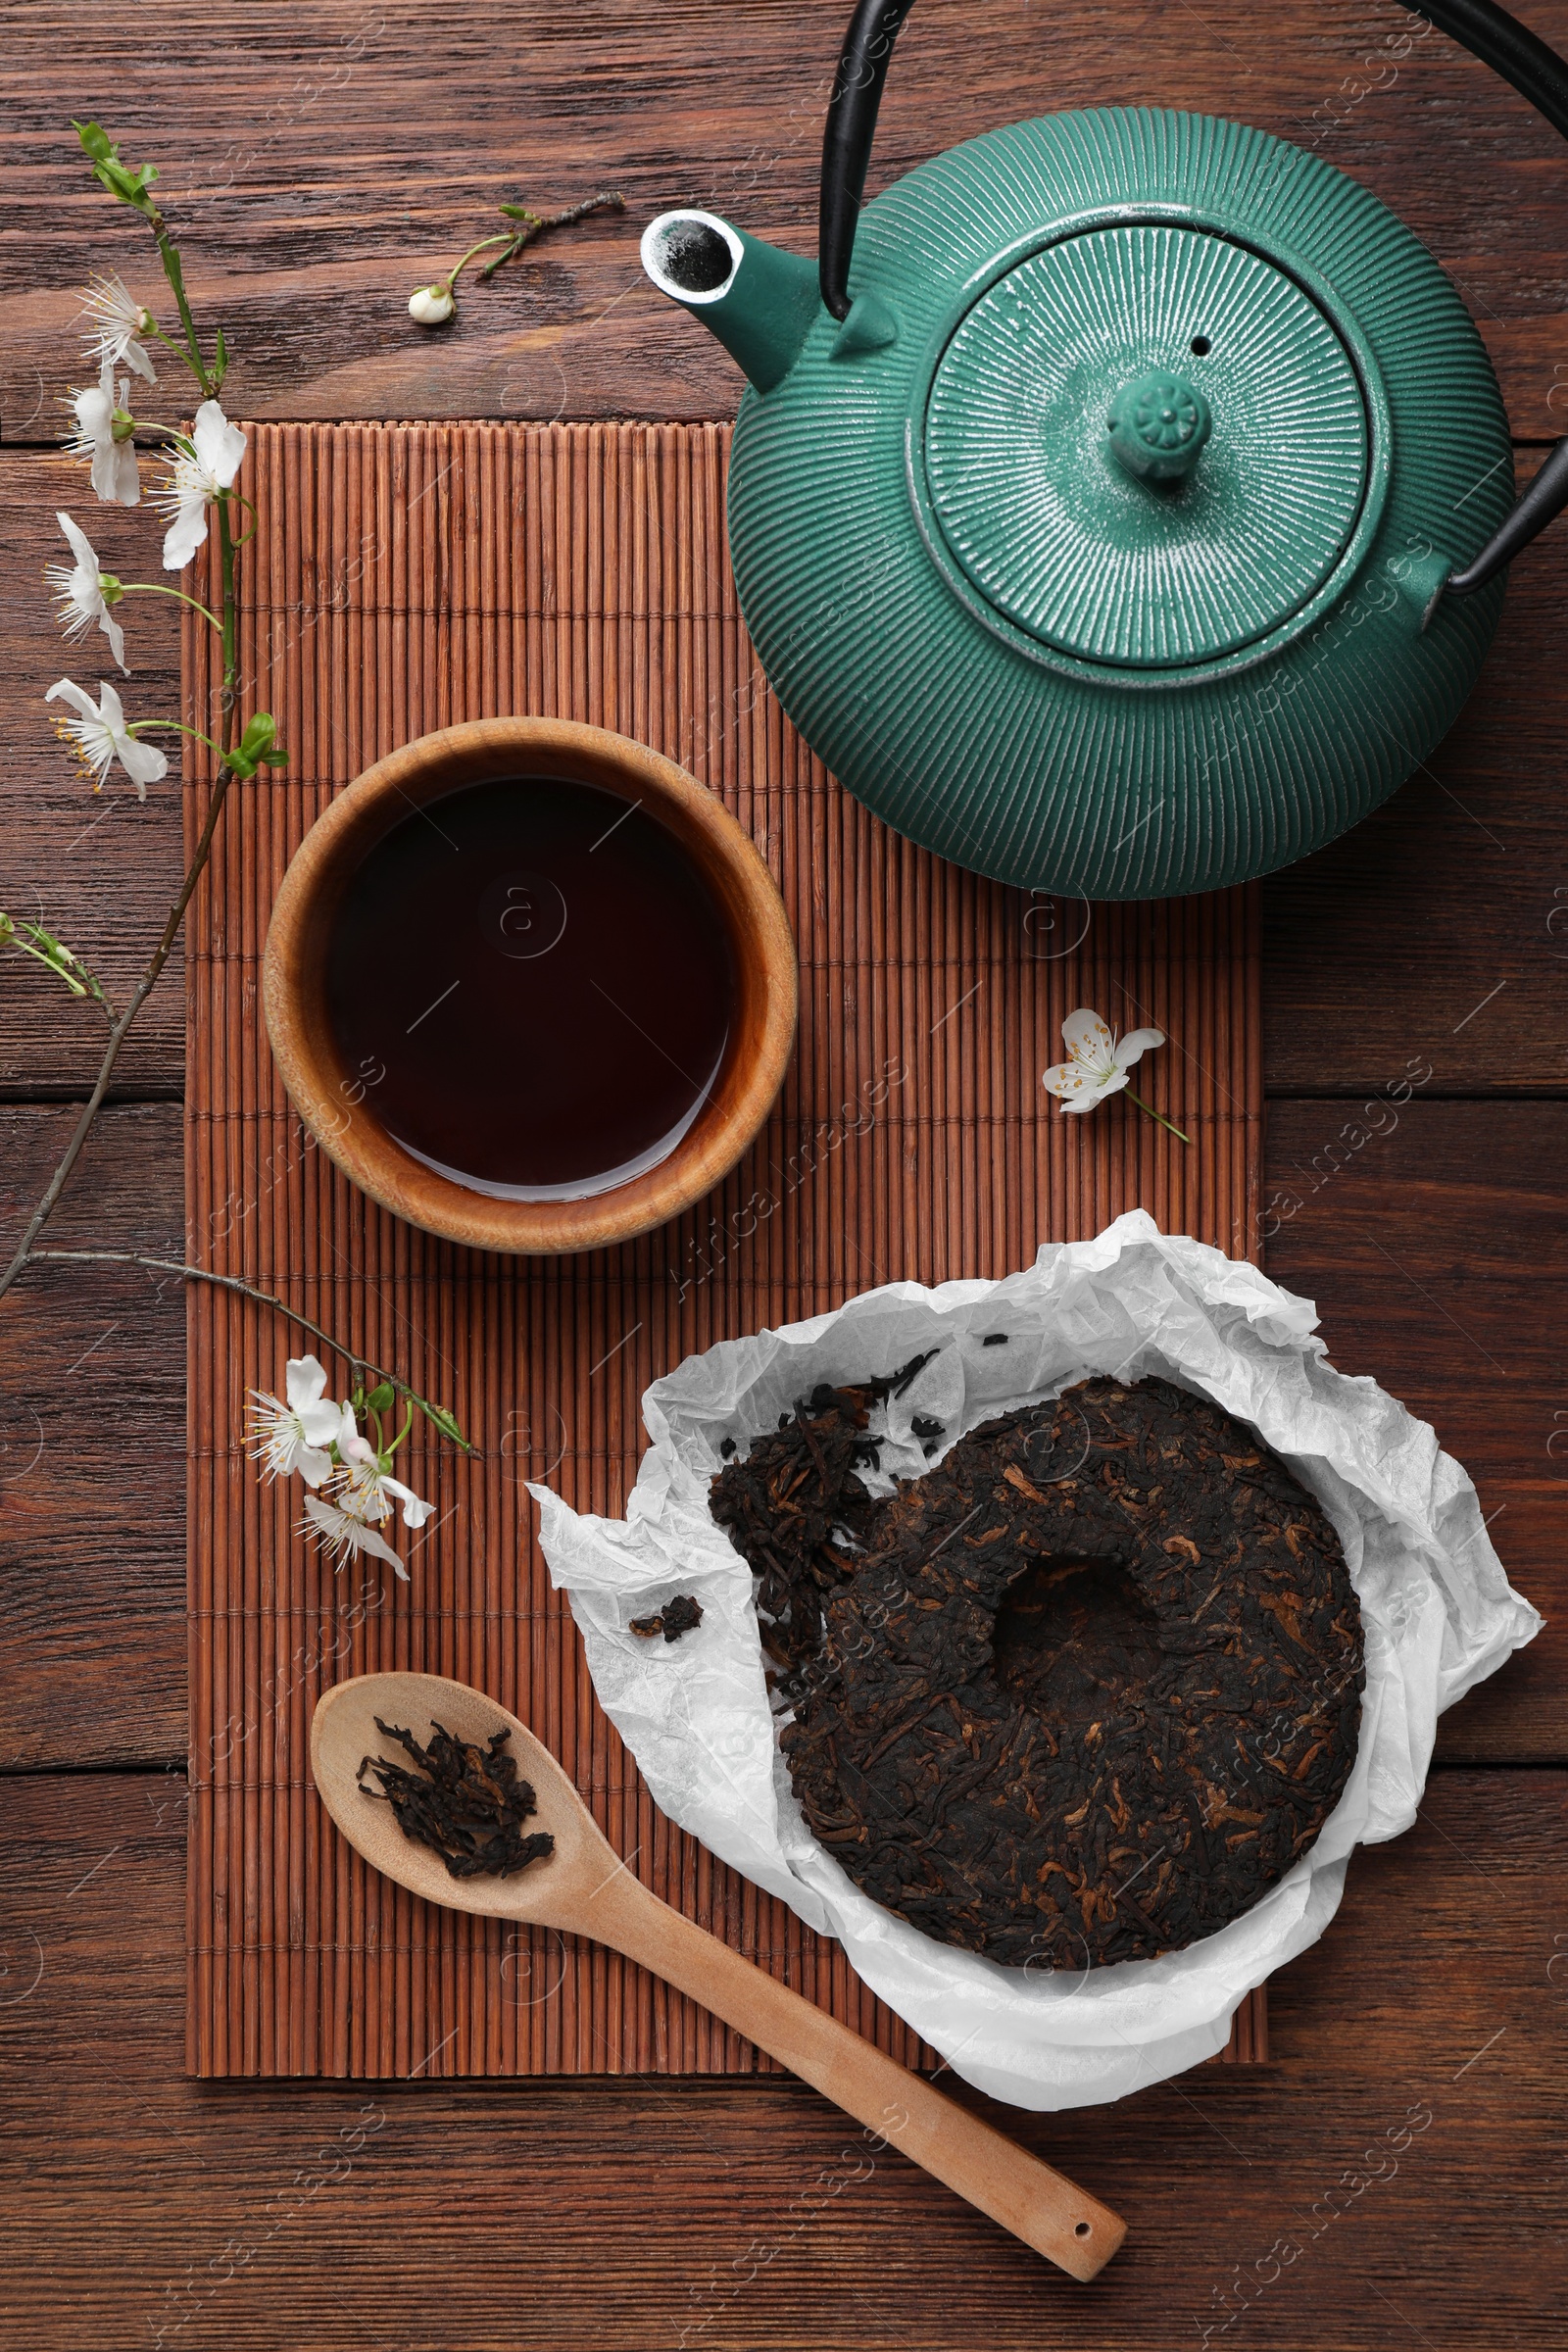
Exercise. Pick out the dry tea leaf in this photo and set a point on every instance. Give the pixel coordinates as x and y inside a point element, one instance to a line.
<point>678,1616</point>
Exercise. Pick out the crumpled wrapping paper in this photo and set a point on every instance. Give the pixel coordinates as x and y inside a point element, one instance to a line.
<point>1439,1615</point>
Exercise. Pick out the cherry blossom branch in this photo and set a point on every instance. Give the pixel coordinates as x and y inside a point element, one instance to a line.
<point>234,759</point>
<point>358,1487</point>
<point>437,1414</point>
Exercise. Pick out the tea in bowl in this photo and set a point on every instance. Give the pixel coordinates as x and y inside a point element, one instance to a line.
<point>530,986</point>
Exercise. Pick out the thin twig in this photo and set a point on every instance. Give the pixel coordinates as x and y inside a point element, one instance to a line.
<point>117,1038</point>
<point>611,201</point>
<point>437,1415</point>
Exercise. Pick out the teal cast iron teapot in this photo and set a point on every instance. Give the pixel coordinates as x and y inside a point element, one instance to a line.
<point>1119,503</point>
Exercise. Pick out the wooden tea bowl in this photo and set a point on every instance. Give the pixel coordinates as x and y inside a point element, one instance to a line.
<point>584,1889</point>
<point>337,1110</point>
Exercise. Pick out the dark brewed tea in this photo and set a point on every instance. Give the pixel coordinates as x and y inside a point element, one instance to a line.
<point>534,986</point>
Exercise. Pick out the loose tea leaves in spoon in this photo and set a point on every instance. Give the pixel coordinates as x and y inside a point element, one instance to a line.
<point>466,1802</point>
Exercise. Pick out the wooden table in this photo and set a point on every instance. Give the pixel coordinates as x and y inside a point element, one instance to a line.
<point>322,163</point>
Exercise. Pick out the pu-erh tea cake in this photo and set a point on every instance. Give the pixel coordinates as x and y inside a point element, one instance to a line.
<point>1081,1692</point>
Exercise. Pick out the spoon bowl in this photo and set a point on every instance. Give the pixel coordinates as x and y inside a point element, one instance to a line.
<point>344,1733</point>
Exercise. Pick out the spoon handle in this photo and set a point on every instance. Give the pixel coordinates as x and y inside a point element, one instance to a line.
<point>1037,2204</point>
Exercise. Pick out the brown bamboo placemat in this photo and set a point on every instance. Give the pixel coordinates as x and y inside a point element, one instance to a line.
<point>405,577</point>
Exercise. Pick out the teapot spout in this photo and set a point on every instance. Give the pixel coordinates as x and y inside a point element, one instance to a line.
<point>759,300</point>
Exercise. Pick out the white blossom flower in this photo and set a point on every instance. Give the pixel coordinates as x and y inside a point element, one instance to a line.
<point>432,305</point>
<point>99,735</point>
<point>343,1432</point>
<point>341,1536</point>
<point>84,592</point>
<point>364,1488</point>
<point>297,1434</point>
<point>364,1492</point>
<point>113,455</point>
<point>118,322</point>
<point>205,465</point>
<point>1097,1065</point>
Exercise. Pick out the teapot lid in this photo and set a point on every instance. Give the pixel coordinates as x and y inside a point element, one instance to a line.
<point>1146,444</point>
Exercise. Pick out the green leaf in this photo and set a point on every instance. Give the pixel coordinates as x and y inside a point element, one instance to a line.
<point>95,140</point>
<point>276,759</point>
<point>519,212</point>
<point>130,186</point>
<point>445,1422</point>
<point>221,361</point>
<point>117,177</point>
<point>380,1396</point>
<point>43,947</point>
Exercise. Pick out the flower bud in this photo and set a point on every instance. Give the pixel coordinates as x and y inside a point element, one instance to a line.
<point>256,748</point>
<point>261,733</point>
<point>433,305</point>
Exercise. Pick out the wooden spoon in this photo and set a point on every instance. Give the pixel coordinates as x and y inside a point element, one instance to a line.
<point>584,1889</point>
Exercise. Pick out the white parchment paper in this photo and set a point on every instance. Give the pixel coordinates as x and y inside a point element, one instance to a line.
<point>1439,1615</point>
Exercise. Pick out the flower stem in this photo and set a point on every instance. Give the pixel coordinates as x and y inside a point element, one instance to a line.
<point>225,546</point>
<point>140,727</point>
<point>1158,1115</point>
<point>157,588</point>
<point>248,1290</point>
<point>451,278</point>
<point>156,335</point>
<point>176,276</point>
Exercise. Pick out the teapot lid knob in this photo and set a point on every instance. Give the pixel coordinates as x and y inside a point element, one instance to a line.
<point>1159,426</point>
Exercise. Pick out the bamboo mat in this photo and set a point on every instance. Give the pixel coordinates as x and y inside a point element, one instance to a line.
<point>404,577</point>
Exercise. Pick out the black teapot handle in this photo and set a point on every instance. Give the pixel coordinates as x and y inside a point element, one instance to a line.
<point>1499,40</point>
<point>846,140</point>
<point>1540,74</point>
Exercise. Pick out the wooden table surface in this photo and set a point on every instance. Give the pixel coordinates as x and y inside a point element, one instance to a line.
<point>320,162</point>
